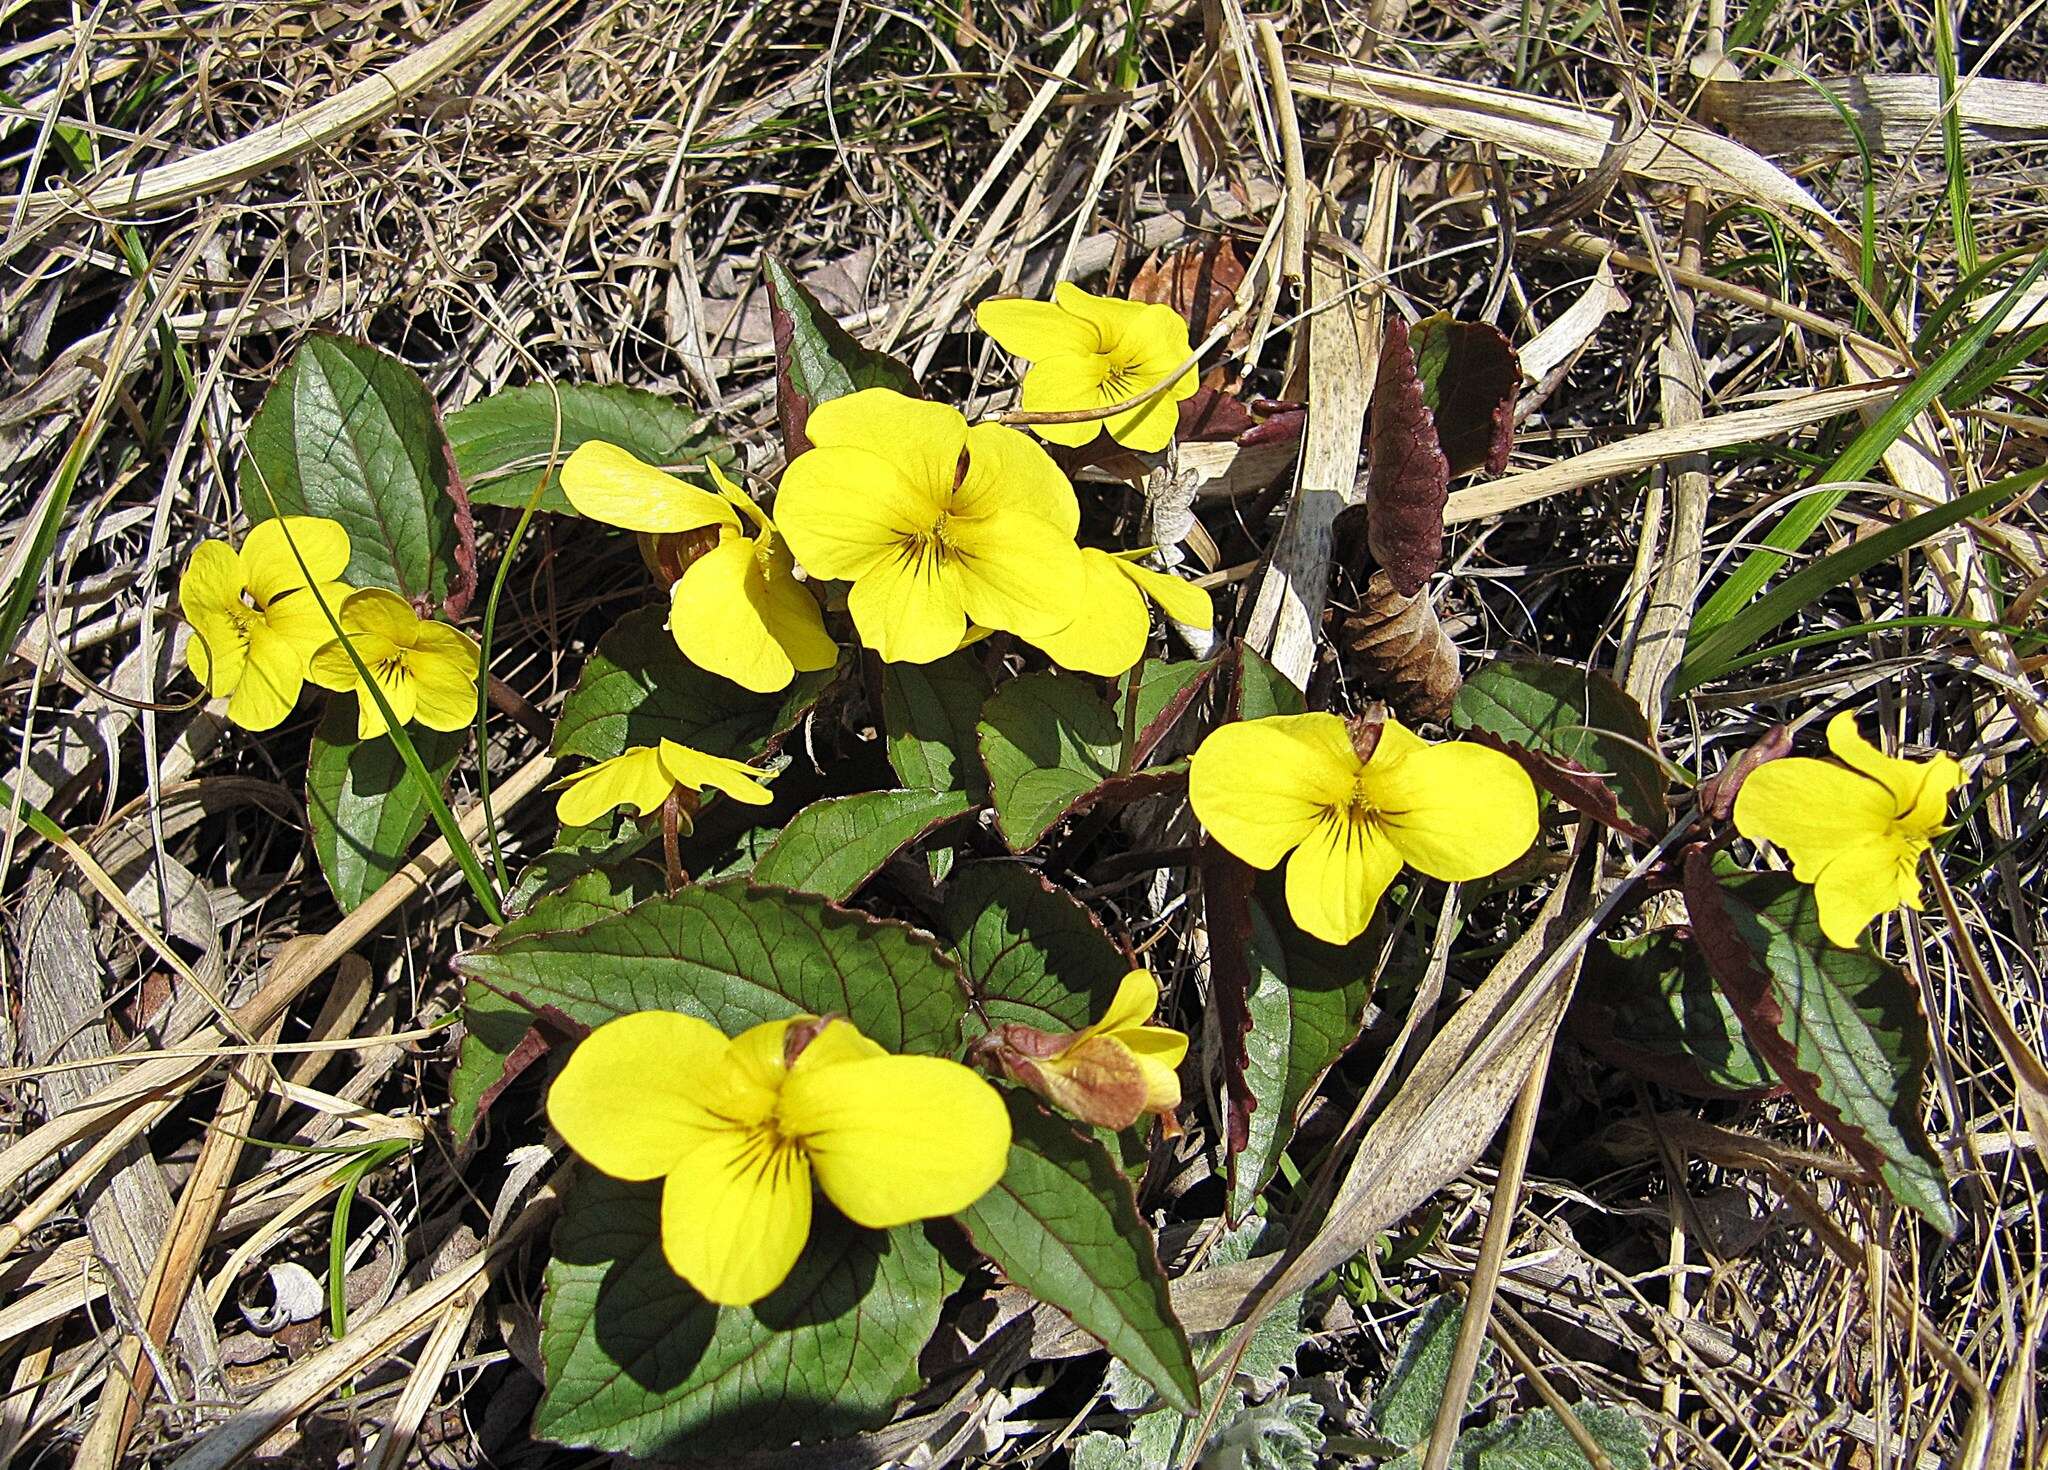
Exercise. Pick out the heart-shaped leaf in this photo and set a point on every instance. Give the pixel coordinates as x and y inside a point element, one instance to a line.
<point>1165,690</point>
<point>638,689</point>
<point>352,434</point>
<point>1407,480</point>
<point>1063,1224</point>
<point>1581,727</point>
<point>1841,1027</point>
<point>831,847</point>
<point>1469,374</point>
<point>502,443</point>
<point>817,359</point>
<point>364,809</point>
<point>1031,954</point>
<point>1263,690</point>
<point>1047,741</point>
<point>639,1364</point>
<point>729,953</point>
<point>1648,1005</point>
<point>928,714</point>
<point>1307,1003</point>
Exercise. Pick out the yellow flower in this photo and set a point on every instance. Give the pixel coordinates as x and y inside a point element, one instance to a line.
<point>1112,1073</point>
<point>1854,831</point>
<point>1109,634</point>
<point>427,670</point>
<point>1091,351</point>
<point>1296,783</point>
<point>643,776</point>
<point>738,1129</point>
<point>737,610</point>
<point>932,522</point>
<point>255,619</point>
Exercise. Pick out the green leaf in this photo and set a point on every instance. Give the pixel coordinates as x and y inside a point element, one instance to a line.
<point>1063,1224</point>
<point>817,359</point>
<point>1649,1006</point>
<point>364,810</point>
<point>579,851</point>
<point>734,956</point>
<point>1263,690</point>
<point>1402,1414</point>
<point>351,433</point>
<point>1165,690</point>
<point>1307,1004</point>
<point>1855,462</point>
<point>638,689</point>
<point>928,714</point>
<point>502,442</point>
<point>1538,1440</point>
<point>1842,1028</point>
<point>1575,715</point>
<point>639,1364</point>
<point>1709,654</point>
<point>1047,741</point>
<point>833,846</point>
<point>492,1025</point>
<point>1031,953</point>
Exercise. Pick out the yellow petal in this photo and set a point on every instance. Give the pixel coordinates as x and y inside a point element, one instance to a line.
<point>395,682</point>
<point>898,1138</point>
<point>331,667</point>
<point>791,613</point>
<point>1111,627</point>
<point>838,1040</point>
<point>1455,811</point>
<point>299,618</point>
<point>270,682</point>
<point>735,1214</point>
<point>697,770</point>
<point>380,614</point>
<point>634,778</point>
<point>1159,1051</point>
<point>909,609</point>
<point>1061,385</point>
<point>623,1100</point>
<point>270,570</point>
<point>609,484</point>
<point>1336,877</point>
<point>211,584</point>
<point>1151,339</point>
<point>1036,330</point>
<point>1137,997</point>
<point>920,438</point>
<point>1184,602</point>
<point>443,664</point>
<point>1859,883</point>
<point>1930,811</point>
<point>847,511</point>
<point>1016,572</point>
<point>738,499</point>
<point>1260,786</point>
<point>1006,471</point>
<point>714,614</point>
<point>1919,789</point>
<point>215,652</point>
<point>1149,427</point>
<point>1815,810</point>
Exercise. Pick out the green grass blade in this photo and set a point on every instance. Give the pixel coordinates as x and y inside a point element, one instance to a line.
<point>1716,652</point>
<point>1960,223</point>
<point>1857,459</point>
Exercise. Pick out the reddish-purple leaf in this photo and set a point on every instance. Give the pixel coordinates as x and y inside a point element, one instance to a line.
<point>551,1029</point>
<point>1717,793</point>
<point>1408,479</point>
<point>1211,416</point>
<point>1227,908</point>
<point>1279,423</point>
<point>1469,373</point>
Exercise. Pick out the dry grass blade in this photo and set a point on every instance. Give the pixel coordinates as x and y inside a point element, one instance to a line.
<point>1897,114</point>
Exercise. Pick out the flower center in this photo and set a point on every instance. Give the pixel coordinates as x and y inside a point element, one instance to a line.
<point>768,1154</point>
<point>392,668</point>
<point>926,550</point>
<point>1120,378</point>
